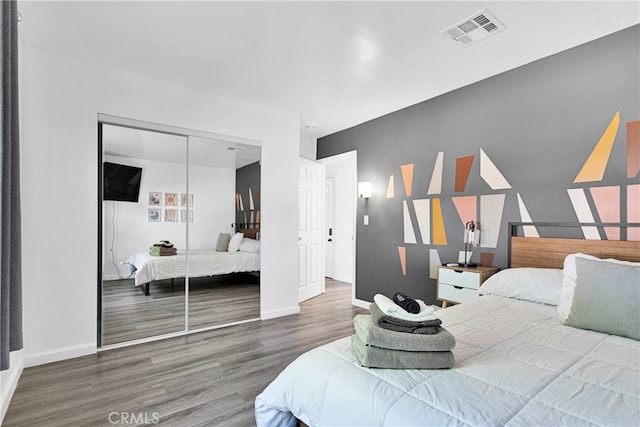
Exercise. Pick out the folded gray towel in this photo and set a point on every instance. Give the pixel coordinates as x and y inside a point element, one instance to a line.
<point>400,325</point>
<point>372,334</point>
<point>375,357</point>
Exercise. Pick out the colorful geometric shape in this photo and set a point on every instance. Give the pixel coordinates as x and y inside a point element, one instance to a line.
<point>490,173</point>
<point>491,207</point>
<point>467,207</point>
<point>237,202</point>
<point>435,185</point>
<point>463,168</point>
<point>241,205</point>
<point>390,189</point>
<point>633,211</point>
<point>607,202</point>
<point>409,235</point>
<point>434,263</point>
<point>633,149</point>
<point>423,214</point>
<point>439,233</point>
<point>407,178</point>
<point>402,253</point>
<point>251,205</point>
<point>593,169</point>
<point>486,258</point>
<point>529,230</point>
<point>583,212</point>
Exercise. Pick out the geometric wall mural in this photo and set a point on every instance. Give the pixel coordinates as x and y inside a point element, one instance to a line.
<point>439,232</point>
<point>633,149</point>
<point>409,234</point>
<point>390,192</point>
<point>604,201</point>
<point>435,185</point>
<point>402,253</point>
<point>583,212</point>
<point>423,215</point>
<point>633,211</point>
<point>529,230</point>
<point>463,168</point>
<point>593,169</point>
<point>607,202</point>
<point>491,207</point>
<point>434,262</point>
<point>407,178</point>
<point>490,173</point>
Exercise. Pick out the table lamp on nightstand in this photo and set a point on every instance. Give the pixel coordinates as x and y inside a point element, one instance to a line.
<point>470,232</point>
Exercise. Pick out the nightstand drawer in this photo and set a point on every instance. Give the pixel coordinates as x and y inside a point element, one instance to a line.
<point>467,279</point>
<point>456,293</point>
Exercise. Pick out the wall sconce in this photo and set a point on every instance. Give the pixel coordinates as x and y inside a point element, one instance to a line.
<point>364,190</point>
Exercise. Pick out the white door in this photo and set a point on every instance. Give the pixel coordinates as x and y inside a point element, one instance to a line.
<point>329,226</point>
<point>310,253</point>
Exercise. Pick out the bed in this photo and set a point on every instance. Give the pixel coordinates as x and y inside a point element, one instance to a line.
<point>198,262</point>
<point>516,362</point>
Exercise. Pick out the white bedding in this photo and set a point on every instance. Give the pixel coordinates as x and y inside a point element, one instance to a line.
<point>516,365</point>
<point>202,263</point>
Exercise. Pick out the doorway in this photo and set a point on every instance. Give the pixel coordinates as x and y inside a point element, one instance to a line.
<point>339,217</point>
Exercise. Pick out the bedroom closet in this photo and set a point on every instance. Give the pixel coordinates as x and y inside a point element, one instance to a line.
<point>165,197</point>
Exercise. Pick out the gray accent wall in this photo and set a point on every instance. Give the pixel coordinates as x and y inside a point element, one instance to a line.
<point>538,124</point>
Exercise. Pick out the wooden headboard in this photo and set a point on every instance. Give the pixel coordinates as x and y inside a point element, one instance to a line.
<point>547,252</point>
<point>251,233</point>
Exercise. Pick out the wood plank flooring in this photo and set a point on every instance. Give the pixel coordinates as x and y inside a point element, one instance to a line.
<point>128,314</point>
<point>205,379</point>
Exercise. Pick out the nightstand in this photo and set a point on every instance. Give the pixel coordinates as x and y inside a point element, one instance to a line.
<point>460,284</point>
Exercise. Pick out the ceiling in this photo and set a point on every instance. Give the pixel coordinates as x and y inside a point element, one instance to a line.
<point>336,64</point>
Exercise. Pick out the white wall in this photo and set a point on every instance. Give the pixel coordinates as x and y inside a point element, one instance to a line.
<point>126,225</point>
<point>61,98</point>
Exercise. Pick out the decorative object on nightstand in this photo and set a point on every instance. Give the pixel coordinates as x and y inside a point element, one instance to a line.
<point>460,284</point>
<point>470,236</point>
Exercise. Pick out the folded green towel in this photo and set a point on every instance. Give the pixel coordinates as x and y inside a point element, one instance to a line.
<point>375,357</point>
<point>400,325</point>
<point>372,334</point>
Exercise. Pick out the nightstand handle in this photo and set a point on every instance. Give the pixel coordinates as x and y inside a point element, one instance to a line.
<point>458,287</point>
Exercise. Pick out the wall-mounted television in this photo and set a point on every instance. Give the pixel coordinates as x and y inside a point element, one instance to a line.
<point>121,182</point>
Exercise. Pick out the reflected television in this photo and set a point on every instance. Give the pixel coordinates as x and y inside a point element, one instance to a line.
<point>121,182</point>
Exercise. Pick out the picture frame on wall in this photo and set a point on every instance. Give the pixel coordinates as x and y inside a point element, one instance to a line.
<point>155,198</point>
<point>183,199</point>
<point>171,215</point>
<point>154,215</point>
<point>186,215</point>
<point>170,199</point>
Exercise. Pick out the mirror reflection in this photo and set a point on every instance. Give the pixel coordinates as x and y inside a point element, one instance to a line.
<point>170,203</point>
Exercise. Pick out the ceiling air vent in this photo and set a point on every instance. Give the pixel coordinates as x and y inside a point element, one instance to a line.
<point>477,27</point>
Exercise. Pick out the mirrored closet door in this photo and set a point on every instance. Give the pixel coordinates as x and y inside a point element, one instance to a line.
<point>167,200</point>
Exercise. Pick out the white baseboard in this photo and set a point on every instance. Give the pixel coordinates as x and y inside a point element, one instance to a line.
<point>346,279</point>
<point>360,303</point>
<point>9,381</point>
<point>280,312</point>
<point>60,354</point>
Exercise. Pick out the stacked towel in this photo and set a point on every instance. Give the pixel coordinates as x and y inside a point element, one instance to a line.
<point>162,248</point>
<point>383,340</point>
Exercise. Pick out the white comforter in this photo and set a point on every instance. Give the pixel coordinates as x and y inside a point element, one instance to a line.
<point>516,365</point>
<point>202,263</point>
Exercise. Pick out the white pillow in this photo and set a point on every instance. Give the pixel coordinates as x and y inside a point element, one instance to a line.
<point>249,245</point>
<point>234,243</point>
<point>569,280</point>
<point>531,284</point>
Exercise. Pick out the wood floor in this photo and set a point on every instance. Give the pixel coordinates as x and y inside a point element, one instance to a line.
<point>205,379</point>
<point>128,314</point>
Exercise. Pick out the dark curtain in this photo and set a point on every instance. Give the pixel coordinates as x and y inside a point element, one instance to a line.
<point>10,255</point>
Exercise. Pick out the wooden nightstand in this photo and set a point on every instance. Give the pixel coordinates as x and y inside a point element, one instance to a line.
<point>460,284</point>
